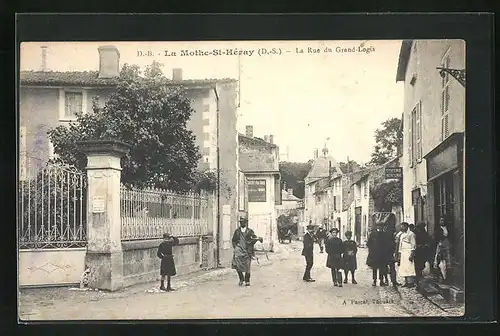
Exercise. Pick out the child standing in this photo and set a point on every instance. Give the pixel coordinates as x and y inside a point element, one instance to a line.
<point>350,251</point>
<point>167,267</point>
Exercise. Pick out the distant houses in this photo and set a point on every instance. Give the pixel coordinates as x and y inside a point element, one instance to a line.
<point>347,200</point>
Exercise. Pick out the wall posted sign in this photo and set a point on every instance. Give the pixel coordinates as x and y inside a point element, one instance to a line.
<point>393,173</point>
<point>98,204</point>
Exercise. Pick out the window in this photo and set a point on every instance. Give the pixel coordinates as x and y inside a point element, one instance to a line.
<point>73,104</point>
<point>335,203</point>
<point>366,189</point>
<point>416,135</point>
<point>257,191</point>
<point>445,98</point>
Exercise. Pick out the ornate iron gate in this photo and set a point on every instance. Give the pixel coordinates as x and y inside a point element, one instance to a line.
<point>51,206</point>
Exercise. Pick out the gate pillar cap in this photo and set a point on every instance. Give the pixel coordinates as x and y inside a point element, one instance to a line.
<point>112,147</point>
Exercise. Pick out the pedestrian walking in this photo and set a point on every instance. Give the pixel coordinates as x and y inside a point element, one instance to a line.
<point>243,242</point>
<point>350,255</point>
<point>407,247</point>
<point>307,252</point>
<point>376,255</point>
<point>167,266</point>
<point>442,258</point>
<point>422,250</point>
<point>334,261</point>
<point>321,236</point>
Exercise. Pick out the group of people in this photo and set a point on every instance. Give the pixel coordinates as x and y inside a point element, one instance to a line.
<point>410,249</point>
<point>341,254</point>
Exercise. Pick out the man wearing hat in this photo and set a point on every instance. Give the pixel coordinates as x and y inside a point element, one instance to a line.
<point>167,266</point>
<point>243,241</point>
<point>335,249</point>
<point>307,252</point>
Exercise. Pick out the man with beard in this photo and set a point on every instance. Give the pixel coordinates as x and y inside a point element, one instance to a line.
<point>243,241</point>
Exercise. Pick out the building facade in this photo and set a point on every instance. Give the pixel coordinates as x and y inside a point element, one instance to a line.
<point>433,138</point>
<point>259,162</point>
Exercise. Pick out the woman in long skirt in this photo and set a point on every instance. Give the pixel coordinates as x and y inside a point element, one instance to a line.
<point>167,267</point>
<point>407,245</point>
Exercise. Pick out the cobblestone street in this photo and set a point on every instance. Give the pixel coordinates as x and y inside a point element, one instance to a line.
<point>276,291</point>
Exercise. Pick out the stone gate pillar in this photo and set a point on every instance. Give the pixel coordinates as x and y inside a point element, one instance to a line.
<point>104,249</point>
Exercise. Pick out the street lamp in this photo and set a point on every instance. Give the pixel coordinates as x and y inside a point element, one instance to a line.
<point>459,75</point>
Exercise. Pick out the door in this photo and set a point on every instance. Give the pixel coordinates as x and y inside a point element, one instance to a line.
<point>357,224</point>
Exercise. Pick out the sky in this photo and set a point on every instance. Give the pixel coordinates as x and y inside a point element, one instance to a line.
<point>333,93</point>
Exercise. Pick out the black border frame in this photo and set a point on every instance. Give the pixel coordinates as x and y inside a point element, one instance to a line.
<point>475,28</point>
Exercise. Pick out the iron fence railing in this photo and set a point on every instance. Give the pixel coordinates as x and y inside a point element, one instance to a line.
<point>51,205</point>
<point>148,213</point>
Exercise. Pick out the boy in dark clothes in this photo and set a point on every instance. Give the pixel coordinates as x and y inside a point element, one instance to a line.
<point>167,267</point>
<point>350,251</point>
<point>335,249</point>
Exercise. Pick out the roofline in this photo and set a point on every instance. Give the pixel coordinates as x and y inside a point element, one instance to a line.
<point>261,172</point>
<point>258,140</point>
<point>404,56</point>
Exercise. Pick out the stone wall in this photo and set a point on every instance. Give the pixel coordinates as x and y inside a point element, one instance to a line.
<point>140,263</point>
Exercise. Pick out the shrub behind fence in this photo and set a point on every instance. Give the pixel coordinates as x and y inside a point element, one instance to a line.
<point>148,213</point>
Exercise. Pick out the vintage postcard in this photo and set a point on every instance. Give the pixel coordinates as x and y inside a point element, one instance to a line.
<point>241,179</point>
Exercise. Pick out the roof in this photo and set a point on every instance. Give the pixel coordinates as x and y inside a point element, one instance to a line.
<point>91,78</point>
<point>286,196</point>
<point>321,166</point>
<point>257,141</point>
<point>404,56</point>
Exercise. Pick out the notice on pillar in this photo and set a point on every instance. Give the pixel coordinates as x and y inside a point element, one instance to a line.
<point>98,204</point>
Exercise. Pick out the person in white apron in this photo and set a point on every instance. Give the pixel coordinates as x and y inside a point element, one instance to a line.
<point>407,245</point>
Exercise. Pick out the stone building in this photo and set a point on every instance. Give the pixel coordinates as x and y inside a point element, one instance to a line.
<point>259,162</point>
<point>433,137</point>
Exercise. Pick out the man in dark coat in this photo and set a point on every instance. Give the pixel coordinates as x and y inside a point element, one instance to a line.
<point>167,266</point>
<point>422,251</point>
<point>389,248</point>
<point>307,252</point>
<point>376,254</point>
<point>243,241</point>
<point>334,261</point>
<point>321,236</point>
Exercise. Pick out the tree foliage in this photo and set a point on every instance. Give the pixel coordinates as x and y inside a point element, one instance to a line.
<point>149,115</point>
<point>388,138</point>
<point>293,175</point>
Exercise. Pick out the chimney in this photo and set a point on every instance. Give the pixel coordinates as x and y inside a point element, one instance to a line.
<point>44,58</point>
<point>271,139</point>
<point>266,138</point>
<point>177,74</point>
<point>109,62</point>
<point>249,131</point>
<point>316,154</point>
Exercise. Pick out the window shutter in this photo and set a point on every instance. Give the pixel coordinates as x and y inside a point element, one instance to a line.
<point>446,126</point>
<point>419,132</point>
<point>410,140</point>
<point>277,191</point>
